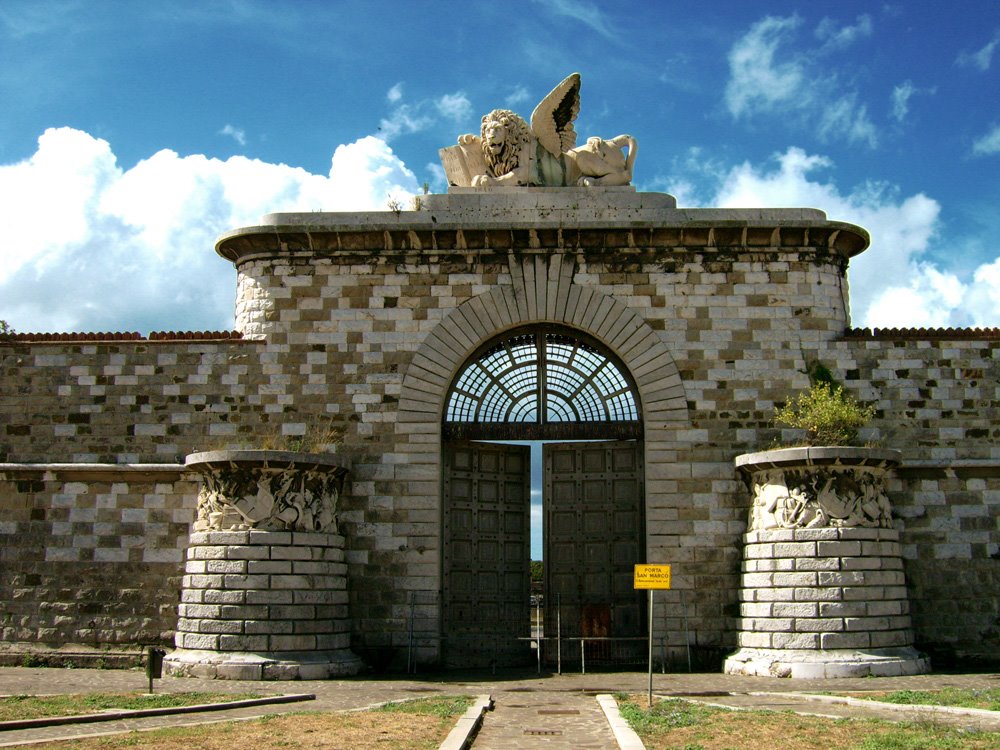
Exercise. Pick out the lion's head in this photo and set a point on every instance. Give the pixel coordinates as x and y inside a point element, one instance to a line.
<point>503,134</point>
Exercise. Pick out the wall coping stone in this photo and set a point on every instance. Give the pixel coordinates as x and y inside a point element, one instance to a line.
<point>300,459</point>
<point>569,211</point>
<point>93,469</point>
<point>818,456</point>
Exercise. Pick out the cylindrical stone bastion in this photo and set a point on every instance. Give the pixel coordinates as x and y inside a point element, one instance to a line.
<point>822,592</point>
<point>264,595</point>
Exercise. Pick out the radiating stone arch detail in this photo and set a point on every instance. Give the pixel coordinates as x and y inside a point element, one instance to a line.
<point>541,292</point>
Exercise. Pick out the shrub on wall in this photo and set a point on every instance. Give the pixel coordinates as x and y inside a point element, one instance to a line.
<point>828,415</point>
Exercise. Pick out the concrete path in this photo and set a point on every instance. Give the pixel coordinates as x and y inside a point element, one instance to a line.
<point>523,718</point>
<point>523,701</point>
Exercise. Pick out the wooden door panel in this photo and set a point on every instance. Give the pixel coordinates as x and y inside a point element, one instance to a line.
<point>486,489</point>
<point>594,535</point>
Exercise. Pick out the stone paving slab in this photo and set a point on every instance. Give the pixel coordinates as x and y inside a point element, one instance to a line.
<point>552,720</point>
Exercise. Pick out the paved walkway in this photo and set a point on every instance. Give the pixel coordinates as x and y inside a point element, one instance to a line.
<point>550,711</point>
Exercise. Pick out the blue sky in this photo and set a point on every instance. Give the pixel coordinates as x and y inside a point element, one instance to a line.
<point>134,133</point>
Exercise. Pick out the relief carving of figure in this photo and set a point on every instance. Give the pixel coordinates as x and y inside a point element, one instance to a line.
<point>790,499</point>
<point>509,151</point>
<point>235,497</point>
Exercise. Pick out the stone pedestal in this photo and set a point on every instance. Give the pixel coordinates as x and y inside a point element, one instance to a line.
<point>258,601</point>
<point>823,592</point>
<point>264,605</point>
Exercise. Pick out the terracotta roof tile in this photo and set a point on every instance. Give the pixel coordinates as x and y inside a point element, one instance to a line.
<point>78,337</point>
<point>925,334</point>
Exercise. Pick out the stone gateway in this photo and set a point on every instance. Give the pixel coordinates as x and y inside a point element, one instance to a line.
<point>388,367</point>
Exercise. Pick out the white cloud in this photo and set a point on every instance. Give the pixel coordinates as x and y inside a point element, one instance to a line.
<point>835,38</point>
<point>891,283</point>
<point>901,100</point>
<point>758,81</point>
<point>237,134</point>
<point>455,106</point>
<point>518,96</point>
<point>89,246</point>
<point>988,144</point>
<point>421,115</point>
<point>767,76</point>
<point>395,93</point>
<point>586,13</point>
<point>981,58</point>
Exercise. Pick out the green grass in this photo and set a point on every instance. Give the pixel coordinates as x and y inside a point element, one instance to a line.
<point>444,707</point>
<point>963,698</point>
<point>679,725</point>
<point>38,706</point>
<point>666,715</point>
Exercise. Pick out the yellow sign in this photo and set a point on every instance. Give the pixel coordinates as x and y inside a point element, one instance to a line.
<point>652,577</point>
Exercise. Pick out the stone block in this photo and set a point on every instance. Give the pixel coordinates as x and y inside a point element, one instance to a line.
<point>843,609</point>
<point>319,596</point>
<point>795,640</point>
<point>230,671</point>
<point>841,578</point>
<point>245,582</point>
<point>268,597</point>
<point>883,608</point>
<point>756,609</point>
<point>223,627</point>
<point>198,611</point>
<point>244,612</point>
<point>819,625</point>
<point>807,671</point>
<point>772,624</point>
<point>796,580</point>
<point>269,538</point>
<point>198,641</point>
<point>221,596</point>
<point>748,639</point>
<point>838,549</point>
<point>226,566</point>
<point>861,563</point>
<point>291,553</point>
<point>773,595</point>
<point>247,552</point>
<point>863,593</point>
<point>890,638</point>
<point>795,609</point>
<point>207,553</point>
<point>795,549</point>
<point>267,567</point>
<point>757,580</point>
<point>817,563</point>
<point>243,643</point>
<point>833,641</point>
<point>819,594</point>
<point>290,642</point>
<point>291,582</point>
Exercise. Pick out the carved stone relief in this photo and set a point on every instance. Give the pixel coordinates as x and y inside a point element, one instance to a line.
<point>247,495</point>
<point>818,497</point>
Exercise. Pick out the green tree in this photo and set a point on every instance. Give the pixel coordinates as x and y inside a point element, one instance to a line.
<point>537,570</point>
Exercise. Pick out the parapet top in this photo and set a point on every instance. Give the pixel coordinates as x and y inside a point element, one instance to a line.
<point>508,151</point>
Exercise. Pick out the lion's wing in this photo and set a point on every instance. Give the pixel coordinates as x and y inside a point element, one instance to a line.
<point>555,112</point>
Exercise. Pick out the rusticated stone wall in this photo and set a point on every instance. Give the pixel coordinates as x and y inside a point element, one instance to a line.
<point>336,310</point>
<point>92,555</point>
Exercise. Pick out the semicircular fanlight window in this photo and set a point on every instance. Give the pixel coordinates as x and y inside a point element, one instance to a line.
<point>544,378</point>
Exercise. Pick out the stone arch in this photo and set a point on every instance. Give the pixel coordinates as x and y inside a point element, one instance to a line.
<point>621,329</point>
<point>541,292</point>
